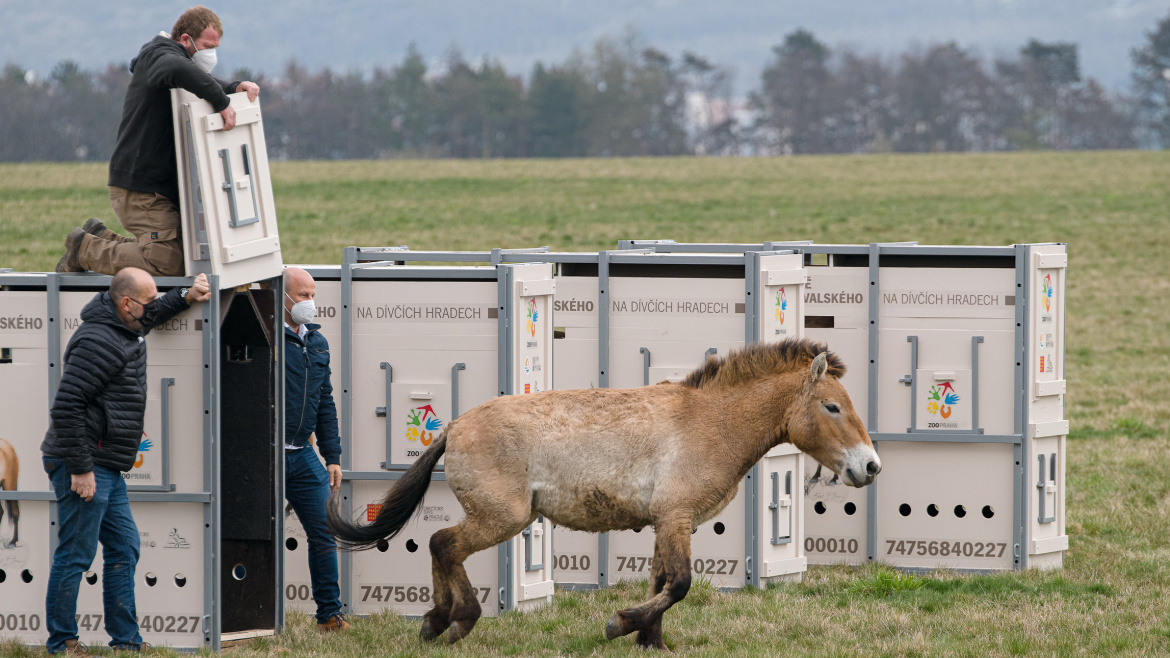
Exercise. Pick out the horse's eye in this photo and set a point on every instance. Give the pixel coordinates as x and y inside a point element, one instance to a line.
<point>833,409</point>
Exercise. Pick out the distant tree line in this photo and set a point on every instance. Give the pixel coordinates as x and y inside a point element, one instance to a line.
<point>624,98</point>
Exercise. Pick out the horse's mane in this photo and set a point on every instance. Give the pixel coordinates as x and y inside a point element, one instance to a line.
<point>753,361</point>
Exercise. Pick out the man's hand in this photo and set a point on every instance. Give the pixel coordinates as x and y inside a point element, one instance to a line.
<point>252,88</point>
<point>199,291</point>
<point>85,486</point>
<point>334,476</point>
<point>229,117</point>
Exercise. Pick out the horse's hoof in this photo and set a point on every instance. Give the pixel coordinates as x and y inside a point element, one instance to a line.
<point>457,633</point>
<point>426,633</point>
<point>616,627</point>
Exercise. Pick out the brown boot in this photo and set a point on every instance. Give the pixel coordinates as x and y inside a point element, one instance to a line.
<point>71,261</point>
<point>335,623</point>
<point>96,228</point>
<point>75,648</point>
<point>130,648</point>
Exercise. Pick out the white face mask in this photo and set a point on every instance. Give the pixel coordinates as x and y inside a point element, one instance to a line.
<point>302,312</point>
<point>204,59</point>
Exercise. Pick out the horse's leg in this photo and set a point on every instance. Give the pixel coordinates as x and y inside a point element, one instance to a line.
<point>438,618</point>
<point>451,547</point>
<point>651,636</point>
<point>673,547</point>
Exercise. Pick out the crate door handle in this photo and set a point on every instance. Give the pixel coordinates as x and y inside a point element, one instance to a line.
<point>384,412</point>
<point>1042,487</point>
<point>777,503</point>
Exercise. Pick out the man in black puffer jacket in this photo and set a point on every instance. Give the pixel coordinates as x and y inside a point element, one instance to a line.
<point>144,175</point>
<point>95,428</point>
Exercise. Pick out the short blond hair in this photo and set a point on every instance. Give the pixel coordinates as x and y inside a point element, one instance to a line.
<point>194,22</point>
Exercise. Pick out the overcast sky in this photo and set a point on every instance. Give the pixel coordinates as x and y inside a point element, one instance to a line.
<point>361,34</point>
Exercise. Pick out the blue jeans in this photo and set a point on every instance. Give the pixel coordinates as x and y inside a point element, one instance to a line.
<point>81,526</point>
<point>306,486</point>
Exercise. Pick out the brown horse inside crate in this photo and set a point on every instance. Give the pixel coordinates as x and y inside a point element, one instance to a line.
<point>669,456</point>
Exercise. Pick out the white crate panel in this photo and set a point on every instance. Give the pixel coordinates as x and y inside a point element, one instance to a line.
<point>575,556</point>
<point>968,486</point>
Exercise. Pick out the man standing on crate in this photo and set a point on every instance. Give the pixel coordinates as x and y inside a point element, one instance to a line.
<point>309,410</point>
<point>144,176</point>
<point>95,427</point>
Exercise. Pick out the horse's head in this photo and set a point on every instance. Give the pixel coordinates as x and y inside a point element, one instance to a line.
<point>825,426</point>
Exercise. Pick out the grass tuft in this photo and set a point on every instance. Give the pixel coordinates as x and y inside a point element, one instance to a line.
<point>882,581</point>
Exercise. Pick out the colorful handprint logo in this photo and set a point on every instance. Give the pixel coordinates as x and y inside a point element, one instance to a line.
<point>941,399</point>
<point>781,305</point>
<point>421,424</point>
<point>532,317</point>
<point>143,446</point>
<point>1046,292</point>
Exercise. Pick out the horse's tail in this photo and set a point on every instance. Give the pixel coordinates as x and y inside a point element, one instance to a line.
<point>397,508</point>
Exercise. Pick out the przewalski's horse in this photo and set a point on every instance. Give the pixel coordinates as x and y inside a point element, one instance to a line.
<point>9,472</point>
<point>669,456</point>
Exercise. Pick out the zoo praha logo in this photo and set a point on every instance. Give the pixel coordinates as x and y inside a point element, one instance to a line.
<point>532,317</point>
<point>941,400</point>
<point>143,446</point>
<point>421,424</point>
<point>1046,292</point>
<point>781,304</point>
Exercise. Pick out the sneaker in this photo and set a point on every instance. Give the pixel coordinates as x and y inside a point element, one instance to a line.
<point>75,648</point>
<point>71,261</point>
<point>335,623</point>
<point>133,648</point>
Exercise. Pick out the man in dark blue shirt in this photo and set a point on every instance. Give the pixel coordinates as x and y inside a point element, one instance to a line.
<point>309,410</point>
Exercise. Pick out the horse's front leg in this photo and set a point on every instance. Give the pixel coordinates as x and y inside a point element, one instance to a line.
<point>673,552</point>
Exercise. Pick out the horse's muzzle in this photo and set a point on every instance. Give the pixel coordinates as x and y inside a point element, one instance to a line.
<point>860,466</point>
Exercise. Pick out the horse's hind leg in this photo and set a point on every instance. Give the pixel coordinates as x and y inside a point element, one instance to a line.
<point>651,636</point>
<point>673,550</point>
<point>457,604</point>
<point>438,618</point>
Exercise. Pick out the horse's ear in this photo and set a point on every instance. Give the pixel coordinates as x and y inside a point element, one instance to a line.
<point>819,366</point>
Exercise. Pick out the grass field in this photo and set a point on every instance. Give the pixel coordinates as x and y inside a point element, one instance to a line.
<point>1112,598</point>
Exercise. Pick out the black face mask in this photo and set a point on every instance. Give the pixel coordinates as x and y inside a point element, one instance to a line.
<point>149,312</point>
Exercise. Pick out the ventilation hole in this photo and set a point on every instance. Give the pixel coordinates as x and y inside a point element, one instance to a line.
<point>719,528</point>
<point>694,530</point>
<point>637,530</point>
<point>180,580</point>
<point>960,511</point>
<point>988,511</point>
<point>3,576</point>
<point>850,509</point>
<point>151,580</point>
<point>91,577</point>
<point>26,576</point>
<point>291,543</point>
<point>932,509</point>
<point>904,509</point>
<point>239,572</point>
<point>383,545</point>
<point>819,508</point>
<point>411,545</point>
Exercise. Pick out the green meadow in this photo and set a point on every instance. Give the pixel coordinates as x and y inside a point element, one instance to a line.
<point>1112,597</point>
